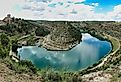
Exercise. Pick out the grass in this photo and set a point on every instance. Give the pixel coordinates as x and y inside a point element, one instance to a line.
<point>115,43</point>
<point>16,36</point>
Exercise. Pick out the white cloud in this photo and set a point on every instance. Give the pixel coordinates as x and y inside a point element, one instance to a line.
<point>7,6</point>
<point>44,1</point>
<point>95,4</point>
<point>116,13</point>
<point>66,10</point>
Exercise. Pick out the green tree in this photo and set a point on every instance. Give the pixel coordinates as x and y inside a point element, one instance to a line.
<point>4,40</point>
<point>3,52</point>
<point>42,31</point>
<point>30,41</point>
<point>14,46</point>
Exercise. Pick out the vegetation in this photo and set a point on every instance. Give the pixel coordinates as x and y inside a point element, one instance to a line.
<point>4,45</point>
<point>18,27</point>
<point>4,40</point>
<point>42,31</point>
<point>22,66</point>
<point>23,27</point>
<point>31,41</point>
<point>3,52</point>
<point>14,46</point>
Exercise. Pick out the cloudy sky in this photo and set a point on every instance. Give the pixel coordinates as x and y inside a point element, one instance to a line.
<point>62,9</point>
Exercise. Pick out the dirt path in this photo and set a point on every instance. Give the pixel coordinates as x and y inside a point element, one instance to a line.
<point>23,37</point>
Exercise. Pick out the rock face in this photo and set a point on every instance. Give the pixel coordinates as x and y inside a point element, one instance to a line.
<point>62,38</point>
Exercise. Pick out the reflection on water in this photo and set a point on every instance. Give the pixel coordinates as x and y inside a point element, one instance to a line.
<point>89,51</point>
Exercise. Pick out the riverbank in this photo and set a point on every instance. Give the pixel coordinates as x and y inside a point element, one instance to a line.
<point>106,65</point>
<point>52,46</point>
<point>115,47</point>
<point>111,63</point>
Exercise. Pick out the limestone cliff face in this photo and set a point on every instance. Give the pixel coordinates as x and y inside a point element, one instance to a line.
<point>62,38</point>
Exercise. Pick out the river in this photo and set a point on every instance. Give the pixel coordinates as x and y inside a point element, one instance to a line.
<point>88,52</point>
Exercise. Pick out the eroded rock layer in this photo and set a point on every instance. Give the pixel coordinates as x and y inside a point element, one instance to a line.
<point>62,38</point>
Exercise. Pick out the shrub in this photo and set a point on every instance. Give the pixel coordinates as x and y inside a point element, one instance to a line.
<point>4,40</point>
<point>14,46</point>
<point>29,65</point>
<point>42,31</point>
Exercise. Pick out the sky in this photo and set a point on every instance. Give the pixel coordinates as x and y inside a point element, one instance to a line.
<point>71,10</point>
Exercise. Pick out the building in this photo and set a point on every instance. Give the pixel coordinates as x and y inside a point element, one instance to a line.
<point>8,19</point>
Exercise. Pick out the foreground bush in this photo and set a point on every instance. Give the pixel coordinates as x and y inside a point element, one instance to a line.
<point>21,67</point>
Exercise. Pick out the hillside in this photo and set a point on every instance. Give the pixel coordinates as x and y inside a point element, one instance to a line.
<point>24,32</point>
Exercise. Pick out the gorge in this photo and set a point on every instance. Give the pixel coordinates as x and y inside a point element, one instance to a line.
<point>86,53</point>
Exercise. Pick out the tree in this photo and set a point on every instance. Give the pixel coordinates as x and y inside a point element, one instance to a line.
<point>9,28</point>
<point>4,40</point>
<point>42,31</point>
<point>14,46</point>
<point>3,52</point>
<point>30,41</point>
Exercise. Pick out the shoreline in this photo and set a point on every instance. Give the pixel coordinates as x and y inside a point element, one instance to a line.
<point>100,59</point>
<point>96,66</point>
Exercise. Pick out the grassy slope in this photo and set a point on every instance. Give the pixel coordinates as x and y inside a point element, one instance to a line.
<point>8,75</point>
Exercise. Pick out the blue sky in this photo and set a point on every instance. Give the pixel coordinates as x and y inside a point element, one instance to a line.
<point>104,5</point>
<point>62,9</point>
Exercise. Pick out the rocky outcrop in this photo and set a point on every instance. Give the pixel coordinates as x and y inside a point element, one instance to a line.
<point>62,38</point>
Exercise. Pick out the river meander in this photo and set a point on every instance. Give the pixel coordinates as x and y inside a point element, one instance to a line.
<point>88,52</point>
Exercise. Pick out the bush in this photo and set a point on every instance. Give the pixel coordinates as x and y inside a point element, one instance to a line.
<point>119,74</point>
<point>3,52</point>
<point>51,76</point>
<point>29,65</point>
<point>4,40</point>
<point>42,31</point>
<point>30,41</point>
<point>21,67</point>
<point>14,46</point>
